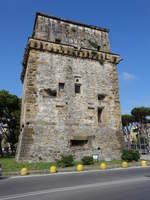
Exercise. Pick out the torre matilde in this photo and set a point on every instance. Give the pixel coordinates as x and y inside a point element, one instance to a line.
<point>70,101</point>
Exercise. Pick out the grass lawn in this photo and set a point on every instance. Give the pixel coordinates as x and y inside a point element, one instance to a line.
<point>10,165</point>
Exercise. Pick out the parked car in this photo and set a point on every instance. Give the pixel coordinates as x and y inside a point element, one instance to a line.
<point>0,168</point>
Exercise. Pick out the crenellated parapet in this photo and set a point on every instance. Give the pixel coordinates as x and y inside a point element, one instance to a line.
<point>68,50</point>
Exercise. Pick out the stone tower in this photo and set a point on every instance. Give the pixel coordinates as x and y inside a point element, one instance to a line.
<point>70,102</point>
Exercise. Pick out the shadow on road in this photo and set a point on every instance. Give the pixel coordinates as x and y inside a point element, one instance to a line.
<point>4,177</point>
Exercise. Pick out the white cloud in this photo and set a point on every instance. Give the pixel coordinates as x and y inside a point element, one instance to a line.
<point>128,76</point>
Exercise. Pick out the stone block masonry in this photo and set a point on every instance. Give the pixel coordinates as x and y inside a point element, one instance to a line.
<point>70,101</point>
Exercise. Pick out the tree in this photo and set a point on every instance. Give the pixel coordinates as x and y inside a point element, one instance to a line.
<point>10,114</point>
<point>127,119</point>
<point>140,113</point>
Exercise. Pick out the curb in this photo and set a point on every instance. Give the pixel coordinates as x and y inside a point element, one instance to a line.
<point>75,172</point>
<point>69,171</point>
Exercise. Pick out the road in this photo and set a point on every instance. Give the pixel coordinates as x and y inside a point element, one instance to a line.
<point>122,184</point>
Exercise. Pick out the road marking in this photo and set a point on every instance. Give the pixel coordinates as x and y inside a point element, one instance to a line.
<point>78,187</point>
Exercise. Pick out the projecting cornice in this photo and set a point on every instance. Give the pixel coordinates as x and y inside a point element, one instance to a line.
<point>67,50</point>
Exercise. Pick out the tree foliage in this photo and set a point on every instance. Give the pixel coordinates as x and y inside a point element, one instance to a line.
<point>127,119</point>
<point>10,114</point>
<point>140,113</point>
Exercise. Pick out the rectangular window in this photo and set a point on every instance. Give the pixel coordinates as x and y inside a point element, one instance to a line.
<point>77,143</point>
<point>98,48</point>
<point>77,88</point>
<point>52,93</point>
<point>57,40</point>
<point>61,86</point>
<point>91,108</point>
<point>99,114</point>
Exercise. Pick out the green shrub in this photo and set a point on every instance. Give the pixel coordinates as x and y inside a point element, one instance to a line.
<point>130,155</point>
<point>87,160</point>
<point>65,161</point>
<point>58,162</point>
<point>136,155</point>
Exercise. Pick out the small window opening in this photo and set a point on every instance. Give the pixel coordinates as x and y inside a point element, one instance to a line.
<point>98,48</point>
<point>90,108</point>
<point>99,114</point>
<point>35,44</point>
<point>61,86</point>
<point>101,96</point>
<point>74,143</point>
<point>77,88</point>
<point>41,46</point>
<point>57,40</point>
<point>52,93</point>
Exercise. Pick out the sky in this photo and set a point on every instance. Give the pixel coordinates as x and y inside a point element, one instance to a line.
<point>129,24</point>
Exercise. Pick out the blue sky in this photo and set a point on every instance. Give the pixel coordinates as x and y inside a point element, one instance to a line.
<point>129,24</point>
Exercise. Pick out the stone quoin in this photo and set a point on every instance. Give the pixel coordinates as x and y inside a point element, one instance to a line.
<point>70,101</point>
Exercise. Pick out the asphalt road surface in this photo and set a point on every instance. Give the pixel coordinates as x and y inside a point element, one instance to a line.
<point>122,184</point>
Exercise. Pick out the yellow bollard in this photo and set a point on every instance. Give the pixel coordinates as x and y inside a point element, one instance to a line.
<point>24,171</point>
<point>103,166</point>
<point>124,164</point>
<point>143,163</point>
<point>79,168</point>
<point>53,169</point>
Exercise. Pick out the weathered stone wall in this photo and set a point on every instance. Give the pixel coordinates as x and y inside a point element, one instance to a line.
<point>50,29</point>
<point>28,110</point>
<point>57,119</point>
